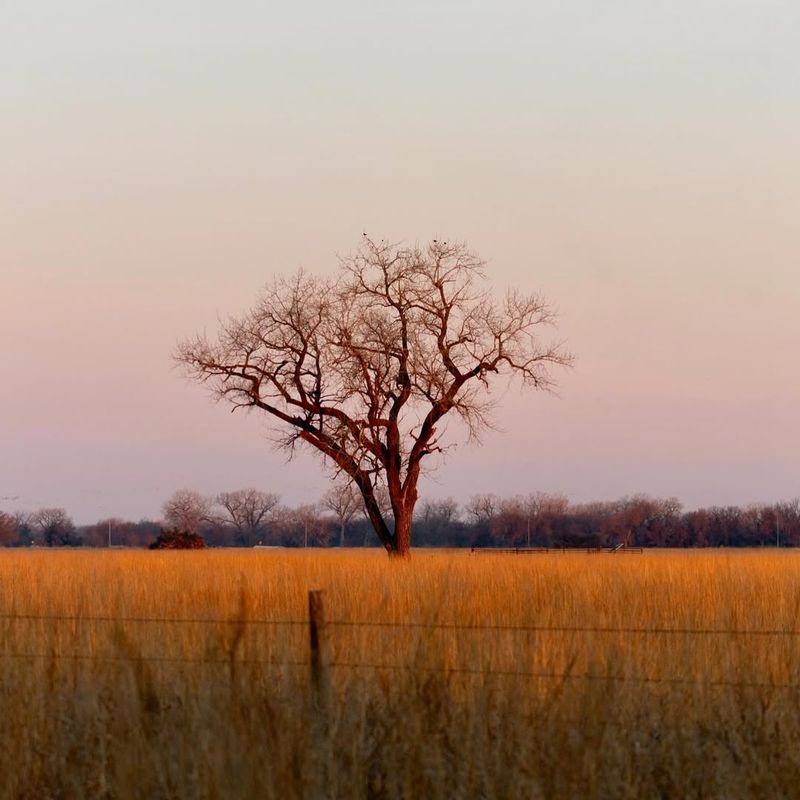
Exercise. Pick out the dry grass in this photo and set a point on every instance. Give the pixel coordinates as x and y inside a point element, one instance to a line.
<point>124,708</point>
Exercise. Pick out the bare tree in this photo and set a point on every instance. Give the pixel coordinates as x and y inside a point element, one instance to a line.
<point>364,367</point>
<point>641,519</point>
<point>307,517</point>
<point>8,529</point>
<point>787,522</point>
<point>247,511</point>
<point>23,522</point>
<point>509,521</point>
<point>187,510</point>
<point>442,512</point>
<point>483,507</point>
<point>344,501</point>
<point>438,518</point>
<point>54,526</point>
<point>539,505</point>
<point>282,524</point>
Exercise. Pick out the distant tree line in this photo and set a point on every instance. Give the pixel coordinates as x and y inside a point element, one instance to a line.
<point>248,517</point>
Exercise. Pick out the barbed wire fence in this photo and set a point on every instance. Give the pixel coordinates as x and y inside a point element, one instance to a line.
<point>319,629</point>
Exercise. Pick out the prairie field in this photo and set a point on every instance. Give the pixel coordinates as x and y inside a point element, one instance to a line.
<point>133,674</point>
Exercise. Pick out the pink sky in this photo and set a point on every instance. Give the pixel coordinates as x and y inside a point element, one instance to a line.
<point>638,166</point>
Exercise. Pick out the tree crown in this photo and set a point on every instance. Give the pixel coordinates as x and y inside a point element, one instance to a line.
<point>364,366</point>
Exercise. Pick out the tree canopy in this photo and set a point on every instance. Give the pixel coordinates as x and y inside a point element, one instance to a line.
<point>364,366</point>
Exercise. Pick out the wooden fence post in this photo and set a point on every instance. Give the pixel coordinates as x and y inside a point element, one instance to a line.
<point>316,641</point>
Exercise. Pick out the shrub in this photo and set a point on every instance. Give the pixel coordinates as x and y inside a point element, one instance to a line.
<point>178,540</point>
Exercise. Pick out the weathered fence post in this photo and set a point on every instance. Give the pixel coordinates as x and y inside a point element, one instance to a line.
<point>316,641</point>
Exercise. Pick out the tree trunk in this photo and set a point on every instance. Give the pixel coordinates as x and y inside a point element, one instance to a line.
<point>397,544</point>
<point>341,535</point>
<point>402,535</point>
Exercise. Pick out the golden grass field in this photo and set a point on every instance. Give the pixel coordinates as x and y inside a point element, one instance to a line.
<point>596,687</point>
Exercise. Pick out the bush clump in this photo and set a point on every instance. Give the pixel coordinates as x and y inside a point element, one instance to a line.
<point>178,540</point>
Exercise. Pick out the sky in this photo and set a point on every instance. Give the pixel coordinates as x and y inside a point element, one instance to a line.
<point>635,161</point>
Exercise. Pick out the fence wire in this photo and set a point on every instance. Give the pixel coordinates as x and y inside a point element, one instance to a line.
<point>410,668</point>
<point>445,626</point>
<point>160,620</point>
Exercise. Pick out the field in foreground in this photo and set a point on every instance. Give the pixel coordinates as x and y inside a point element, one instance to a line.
<point>186,675</point>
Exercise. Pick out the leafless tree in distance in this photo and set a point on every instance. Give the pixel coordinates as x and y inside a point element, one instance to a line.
<point>8,529</point>
<point>344,501</point>
<point>54,526</point>
<point>442,512</point>
<point>246,510</point>
<point>483,507</point>
<point>307,517</point>
<point>538,505</point>
<point>23,522</point>
<point>187,510</point>
<point>364,366</point>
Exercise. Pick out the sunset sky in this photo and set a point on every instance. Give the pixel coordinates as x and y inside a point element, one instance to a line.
<point>637,162</point>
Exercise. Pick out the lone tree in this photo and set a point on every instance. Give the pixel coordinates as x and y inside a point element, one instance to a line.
<point>364,366</point>
<point>247,510</point>
<point>344,500</point>
<point>55,527</point>
<point>187,510</point>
